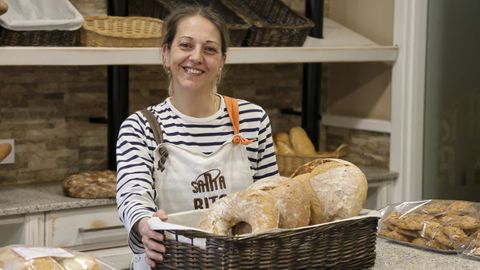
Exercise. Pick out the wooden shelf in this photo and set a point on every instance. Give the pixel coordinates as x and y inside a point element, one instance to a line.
<point>338,45</point>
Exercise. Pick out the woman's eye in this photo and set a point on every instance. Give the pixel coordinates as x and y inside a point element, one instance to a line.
<point>211,50</point>
<point>184,45</point>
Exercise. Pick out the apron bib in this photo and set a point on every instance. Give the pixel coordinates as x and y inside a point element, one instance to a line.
<point>186,180</point>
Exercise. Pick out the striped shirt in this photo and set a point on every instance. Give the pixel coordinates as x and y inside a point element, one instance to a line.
<point>136,144</point>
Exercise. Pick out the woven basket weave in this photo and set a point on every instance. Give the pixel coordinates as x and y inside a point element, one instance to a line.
<point>288,163</point>
<point>273,23</point>
<point>345,244</point>
<point>113,31</point>
<point>39,38</point>
<point>236,26</point>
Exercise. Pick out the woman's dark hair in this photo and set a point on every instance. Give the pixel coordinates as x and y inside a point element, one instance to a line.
<point>171,23</point>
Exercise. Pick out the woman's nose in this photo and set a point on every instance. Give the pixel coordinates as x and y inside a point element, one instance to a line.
<point>196,55</point>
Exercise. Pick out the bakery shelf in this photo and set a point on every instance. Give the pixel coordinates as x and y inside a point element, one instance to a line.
<point>339,44</point>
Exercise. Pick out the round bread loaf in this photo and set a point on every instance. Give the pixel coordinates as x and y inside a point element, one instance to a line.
<point>292,204</point>
<point>317,208</point>
<point>256,208</point>
<point>340,186</point>
<point>93,184</point>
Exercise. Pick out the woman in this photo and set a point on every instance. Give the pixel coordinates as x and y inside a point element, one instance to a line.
<point>208,150</point>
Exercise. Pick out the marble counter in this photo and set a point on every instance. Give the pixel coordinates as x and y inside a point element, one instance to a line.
<point>393,256</point>
<point>28,199</point>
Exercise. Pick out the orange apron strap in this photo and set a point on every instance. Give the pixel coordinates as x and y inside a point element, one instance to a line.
<point>233,113</point>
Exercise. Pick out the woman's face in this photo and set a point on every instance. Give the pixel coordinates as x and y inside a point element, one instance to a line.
<point>195,58</point>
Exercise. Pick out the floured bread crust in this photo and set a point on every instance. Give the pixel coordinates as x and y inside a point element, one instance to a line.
<point>291,200</point>
<point>341,186</point>
<point>94,184</point>
<point>254,207</point>
<point>317,207</point>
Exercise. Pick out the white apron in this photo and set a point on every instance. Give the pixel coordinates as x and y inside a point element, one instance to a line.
<point>191,180</point>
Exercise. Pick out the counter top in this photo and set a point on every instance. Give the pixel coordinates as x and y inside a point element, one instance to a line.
<point>28,199</point>
<point>397,256</point>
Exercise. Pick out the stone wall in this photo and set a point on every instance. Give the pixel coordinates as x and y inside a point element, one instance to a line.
<point>47,110</point>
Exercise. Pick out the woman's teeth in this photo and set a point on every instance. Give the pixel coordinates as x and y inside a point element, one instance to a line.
<point>192,71</point>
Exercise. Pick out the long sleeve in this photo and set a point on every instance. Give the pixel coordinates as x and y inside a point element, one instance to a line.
<point>135,185</point>
<point>266,159</point>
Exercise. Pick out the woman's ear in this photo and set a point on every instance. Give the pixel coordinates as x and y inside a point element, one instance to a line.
<point>166,56</point>
<point>224,59</point>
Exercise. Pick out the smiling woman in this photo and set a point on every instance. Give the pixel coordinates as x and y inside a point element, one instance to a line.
<point>194,147</point>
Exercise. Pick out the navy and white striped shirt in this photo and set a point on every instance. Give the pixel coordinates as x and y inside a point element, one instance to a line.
<point>136,144</point>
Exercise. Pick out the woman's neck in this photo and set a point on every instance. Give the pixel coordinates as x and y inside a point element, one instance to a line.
<point>195,105</point>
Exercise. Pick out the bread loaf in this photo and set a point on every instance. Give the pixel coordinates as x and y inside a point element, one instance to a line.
<point>5,149</point>
<point>292,204</point>
<point>317,207</point>
<point>94,184</point>
<point>256,208</point>
<point>281,137</point>
<point>341,187</point>
<point>300,141</point>
<point>285,149</point>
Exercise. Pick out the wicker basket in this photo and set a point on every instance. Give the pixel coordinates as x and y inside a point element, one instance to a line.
<point>288,163</point>
<point>113,31</point>
<point>343,244</point>
<point>39,38</point>
<point>273,23</point>
<point>237,27</point>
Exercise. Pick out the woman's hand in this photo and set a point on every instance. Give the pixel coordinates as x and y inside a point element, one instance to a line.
<point>152,240</point>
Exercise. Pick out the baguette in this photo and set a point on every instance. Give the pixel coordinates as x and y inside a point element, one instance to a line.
<point>300,142</point>
<point>284,148</point>
<point>5,149</point>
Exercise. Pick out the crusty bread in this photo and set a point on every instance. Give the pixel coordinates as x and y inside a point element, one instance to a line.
<point>317,208</point>
<point>94,184</point>
<point>300,141</point>
<point>257,208</point>
<point>5,149</point>
<point>341,186</point>
<point>292,204</point>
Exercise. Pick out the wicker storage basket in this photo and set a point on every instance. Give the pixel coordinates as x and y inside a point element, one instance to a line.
<point>273,23</point>
<point>161,8</point>
<point>39,38</point>
<point>288,163</point>
<point>343,244</point>
<point>40,23</point>
<point>113,31</point>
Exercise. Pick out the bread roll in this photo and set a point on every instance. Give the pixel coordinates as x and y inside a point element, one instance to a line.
<point>5,149</point>
<point>300,141</point>
<point>292,204</point>
<point>341,187</point>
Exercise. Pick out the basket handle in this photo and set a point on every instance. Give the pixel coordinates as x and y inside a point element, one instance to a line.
<point>341,150</point>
